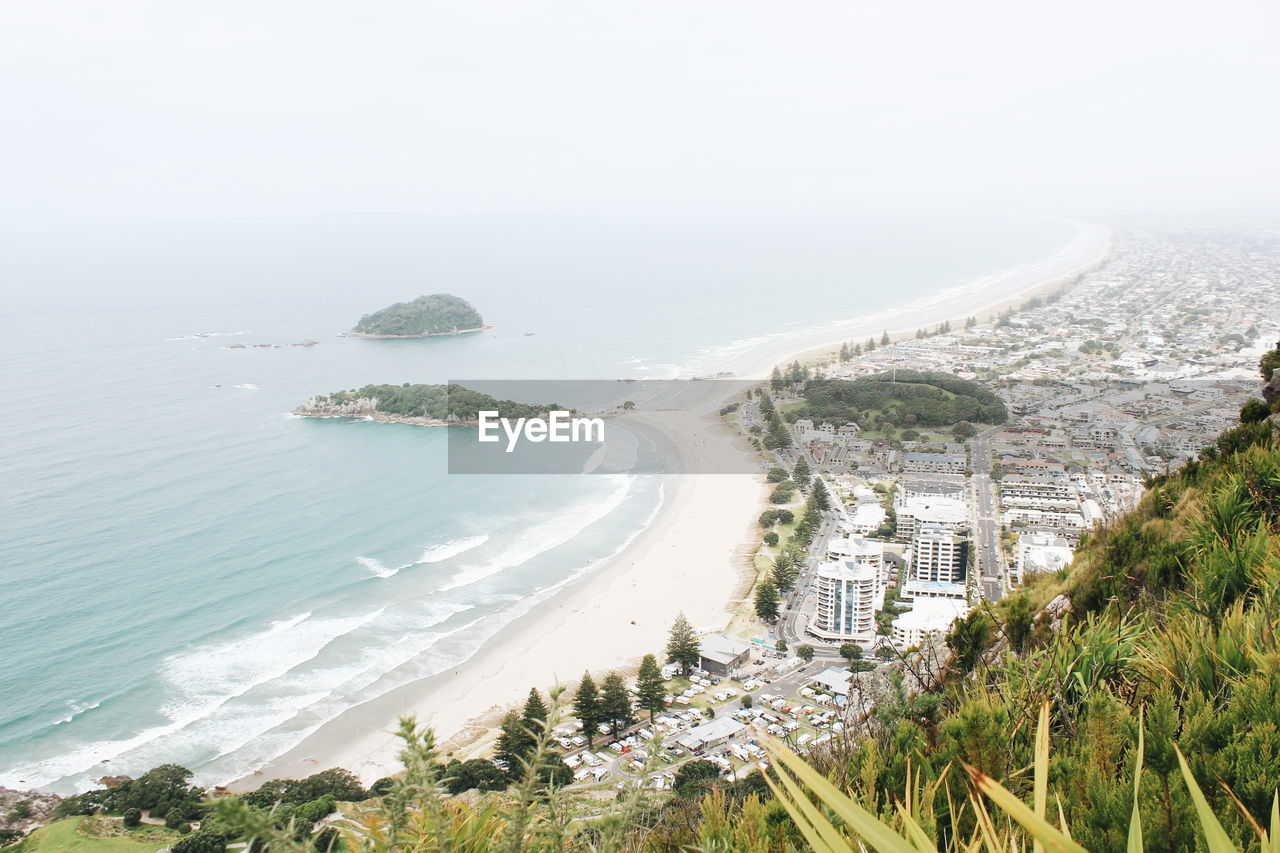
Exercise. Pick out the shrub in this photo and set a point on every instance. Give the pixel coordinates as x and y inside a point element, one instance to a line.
<point>771,539</point>
<point>132,817</point>
<point>200,842</point>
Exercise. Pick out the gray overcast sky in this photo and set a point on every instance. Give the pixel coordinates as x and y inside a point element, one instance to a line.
<point>123,110</point>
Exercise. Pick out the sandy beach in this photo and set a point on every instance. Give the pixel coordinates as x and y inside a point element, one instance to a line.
<point>694,557</point>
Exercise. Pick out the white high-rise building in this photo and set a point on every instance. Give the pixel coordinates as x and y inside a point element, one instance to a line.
<point>850,591</point>
<point>938,555</point>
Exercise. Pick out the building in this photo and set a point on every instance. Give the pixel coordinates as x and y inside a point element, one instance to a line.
<point>849,594</point>
<point>834,680</point>
<point>928,617</point>
<point>710,734</point>
<point>948,513</point>
<point>721,655</point>
<point>936,486</point>
<point>934,463</point>
<point>1040,553</point>
<point>938,554</point>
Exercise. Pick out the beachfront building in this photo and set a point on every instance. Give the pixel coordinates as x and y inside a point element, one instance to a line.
<point>721,655</point>
<point>850,591</point>
<point>928,617</point>
<point>911,487</point>
<point>939,555</point>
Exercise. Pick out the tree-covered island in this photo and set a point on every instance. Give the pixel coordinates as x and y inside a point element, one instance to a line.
<point>424,317</point>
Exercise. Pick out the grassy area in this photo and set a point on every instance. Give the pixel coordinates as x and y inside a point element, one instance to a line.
<point>96,835</point>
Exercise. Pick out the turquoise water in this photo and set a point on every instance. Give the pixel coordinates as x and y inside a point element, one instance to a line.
<point>191,575</point>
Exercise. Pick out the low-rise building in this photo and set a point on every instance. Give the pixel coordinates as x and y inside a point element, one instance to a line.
<point>723,655</point>
<point>928,617</point>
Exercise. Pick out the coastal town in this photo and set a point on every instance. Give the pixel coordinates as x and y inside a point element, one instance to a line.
<point>1124,373</point>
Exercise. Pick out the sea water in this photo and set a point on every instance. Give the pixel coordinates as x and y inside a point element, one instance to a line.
<point>189,574</point>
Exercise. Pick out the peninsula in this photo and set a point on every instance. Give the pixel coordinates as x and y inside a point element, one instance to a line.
<point>419,404</point>
<point>424,317</point>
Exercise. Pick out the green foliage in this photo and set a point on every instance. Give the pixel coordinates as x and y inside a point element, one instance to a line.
<point>805,652</point>
<point>1267,366</point>
<point>683,647</point>
<point>475,773</point>
<point>651,690</point>
<point>439,402</point>
<point>439,313</point>
<point>776,475</point>
<point>586,705</point>
<point>694,777</point>
<point>200,842</point>
<point>771,538</point>
<point>132,817</point>
<point>766,600</point>
<point>906,398</point>
<point>615,703</point>
<point>1254,410</point>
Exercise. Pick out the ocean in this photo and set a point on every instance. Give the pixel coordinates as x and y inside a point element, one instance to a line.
<point>189,574</point>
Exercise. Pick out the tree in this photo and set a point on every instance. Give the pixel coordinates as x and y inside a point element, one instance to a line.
<point>776,382</point>
<point>615,703</point>
<point>586,704</point>
<point>1254,410</point>
<point>820,496</point>
<point>342,785</point>
<point>781,645</point>
<point>683,647</point>
<point>771,538</point>
<point>776,475</point>
<point>200,842</point>
<point>884,338</point>
<point>476,773</point>
<point>766,600</point>
<point>535,711</point>
<point>515,741</point>
<point>964,429</point>
<point>805,652</point>
<point>801,472</point>
<point>695,776</point>
<point>850,652</point>
<point>651,689</point>
<point>132,817</point>
<point>885,652</point>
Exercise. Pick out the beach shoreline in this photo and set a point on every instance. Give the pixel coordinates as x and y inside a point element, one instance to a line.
<point>694,556</point>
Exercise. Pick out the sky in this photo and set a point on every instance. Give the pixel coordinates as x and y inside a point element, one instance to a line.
<point>131,110</point>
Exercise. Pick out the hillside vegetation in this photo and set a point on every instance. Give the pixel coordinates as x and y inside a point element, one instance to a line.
<point>437,314</point>
<point>904,398</point>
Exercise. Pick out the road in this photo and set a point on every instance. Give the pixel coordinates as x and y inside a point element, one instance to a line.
<point>988,559</point>
<point>798,603</point>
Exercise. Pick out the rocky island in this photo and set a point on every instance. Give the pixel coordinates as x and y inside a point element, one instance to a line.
<point>424,317</point>
<point>419,404</point>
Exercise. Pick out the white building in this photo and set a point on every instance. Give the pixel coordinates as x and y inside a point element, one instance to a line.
<point>849,594</point>
<point>1040,552</point>
<point>928,617</point>
<point>938,554</point>
<point>948,513</point>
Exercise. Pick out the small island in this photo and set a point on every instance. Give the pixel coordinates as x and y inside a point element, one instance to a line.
<point>418,404</point>
<point>425,317</point>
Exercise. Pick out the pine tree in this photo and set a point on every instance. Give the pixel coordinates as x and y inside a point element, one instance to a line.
<point>615,703</point>
<point>845,354</point>
<point>871,344</point>
<point>821,497</point>
<point>783,573</point>
<point>535,711</point>
<point>586,704</point>
<point>766,600</point>
<point>801,472</point>
<point>650,688</point>
<point>514,743</point>
<point>776,382</point>
<point>683,647</point>
<point>884,338</point>
<point>857,349</point>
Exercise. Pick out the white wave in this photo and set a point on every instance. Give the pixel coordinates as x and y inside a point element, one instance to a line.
<point>76,709</point>
<point>452,548</point>
<point>377,568</point>
<point>247,386</point>
<point>431,554</point>
<point>202,681</point>
<point>545,535</point>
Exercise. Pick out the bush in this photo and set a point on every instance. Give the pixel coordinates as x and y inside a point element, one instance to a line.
<point>132,817</point>
<point>200,842</point>
<point>771,539</point>
<point>1254,410</point>
<point>382,787</point>
<point>695,776</point>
